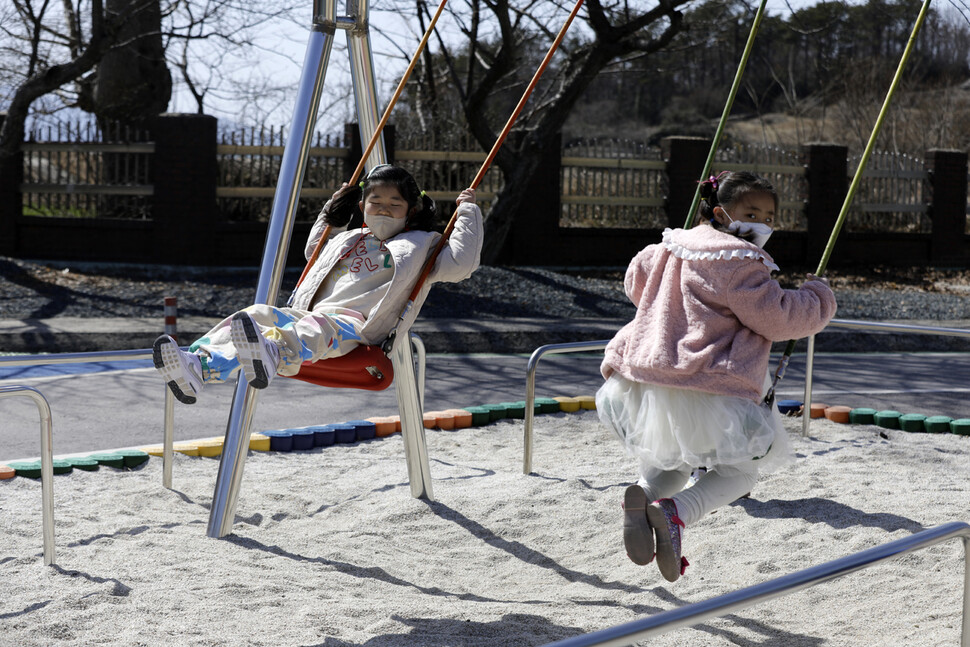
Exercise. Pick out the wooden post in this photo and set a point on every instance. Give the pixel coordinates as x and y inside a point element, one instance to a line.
<point>827,173</point>
<point>948,206</point>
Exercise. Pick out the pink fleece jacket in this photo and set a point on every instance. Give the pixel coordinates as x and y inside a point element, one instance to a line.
<point>707,312</point>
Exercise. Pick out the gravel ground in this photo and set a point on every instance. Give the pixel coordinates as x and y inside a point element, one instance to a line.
<point>39,290</point>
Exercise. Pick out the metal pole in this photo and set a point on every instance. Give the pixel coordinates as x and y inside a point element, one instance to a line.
<point>365,84</point>
<point>168,439</point>
<point>809,367</point>
<point>412,422</point>
<point>273,264</point>
<point>46,462</point>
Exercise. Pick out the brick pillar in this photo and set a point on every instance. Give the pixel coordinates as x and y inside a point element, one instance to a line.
<point>685,158</point>
<point>948,205</point>
<point>11,200</point>
<point>827,173</point>
<point>185,174</point>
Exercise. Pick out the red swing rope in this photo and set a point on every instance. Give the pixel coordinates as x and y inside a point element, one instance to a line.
<point>429,263</point>
<point>377,133</point>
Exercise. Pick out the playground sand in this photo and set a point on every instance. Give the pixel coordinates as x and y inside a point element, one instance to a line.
<point>330,549</point>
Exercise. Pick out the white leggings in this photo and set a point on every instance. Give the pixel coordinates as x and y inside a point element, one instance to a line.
<point>719,486</point>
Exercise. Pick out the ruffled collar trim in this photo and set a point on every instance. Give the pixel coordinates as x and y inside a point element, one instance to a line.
<point>723,254</point>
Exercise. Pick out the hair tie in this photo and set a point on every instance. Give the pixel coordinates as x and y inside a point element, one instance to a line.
<point>361,185</point>
<point>423,194</point>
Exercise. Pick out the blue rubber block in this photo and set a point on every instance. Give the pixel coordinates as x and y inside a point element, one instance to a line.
<point>366,430</point>
<point>280,440</point>
<point>323,435</point>
<point>788,406</point>
<point>303,439</point>
<point>345,433</point>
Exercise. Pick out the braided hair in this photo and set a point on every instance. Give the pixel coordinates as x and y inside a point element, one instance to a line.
<point>345,205</point>
<point>726,189</point>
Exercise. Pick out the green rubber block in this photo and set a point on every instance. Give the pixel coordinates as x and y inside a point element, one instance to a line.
<point>480,415</point>
<point>548,405</point>
<point>133,457</point>
<point>912,422</point>
<point>30,469</point>
<point>515,409</point>
<point>862,416</point>
<point>61,466</point>
<point>961,426</point>
<point>110,459</point>
<point>887,419</point>
<point>497,411</point>
<point>938,424</point>
<point>85,463</point>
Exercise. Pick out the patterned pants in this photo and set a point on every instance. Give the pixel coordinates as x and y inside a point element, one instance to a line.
<point>301,335</point>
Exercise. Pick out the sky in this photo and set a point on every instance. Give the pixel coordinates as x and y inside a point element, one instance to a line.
<point>281,49</point>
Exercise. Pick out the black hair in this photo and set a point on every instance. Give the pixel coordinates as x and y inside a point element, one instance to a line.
<point>385,174</point>
<point>726,189</point>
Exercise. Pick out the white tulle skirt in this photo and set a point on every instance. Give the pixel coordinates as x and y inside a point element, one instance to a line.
<point>668,428</point>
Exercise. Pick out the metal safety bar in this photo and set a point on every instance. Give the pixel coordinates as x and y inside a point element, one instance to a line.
<point>579,347</point>
<point>692,614</point>
<point>46,462</point>
<point>874,326</point>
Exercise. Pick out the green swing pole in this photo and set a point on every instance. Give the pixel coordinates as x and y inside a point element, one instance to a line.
<point>853,187</point>
<point>727,111</point>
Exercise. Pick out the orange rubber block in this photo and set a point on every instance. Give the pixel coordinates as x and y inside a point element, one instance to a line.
<point>463,419</point>
<point>397,422</point>
<point>7,472</point>
<point>428,420</point>
<point>838,413</point>
<point>385,425</point>
<point>444,420</point>
<point>569,405</point>
<point>818,410</point>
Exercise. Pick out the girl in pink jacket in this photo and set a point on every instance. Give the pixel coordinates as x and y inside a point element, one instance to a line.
<point>685,379</point>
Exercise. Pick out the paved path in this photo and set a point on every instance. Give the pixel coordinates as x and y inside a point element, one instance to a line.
<point>111,408</point>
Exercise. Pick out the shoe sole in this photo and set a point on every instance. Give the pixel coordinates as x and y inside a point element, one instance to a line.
<point>667,560</point>
<point>246,339</point>
<point>637,533</point>
<point>165,356</point>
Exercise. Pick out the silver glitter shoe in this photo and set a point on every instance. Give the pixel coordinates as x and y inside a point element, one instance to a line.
<point>662,515</point>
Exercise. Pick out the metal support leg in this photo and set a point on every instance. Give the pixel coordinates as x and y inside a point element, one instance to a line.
<point>168,439</point>
<point>271,269</point>
<point>365,84</point>
<point>46,462</point>
<point>412,422</point>
<point>809,367</point>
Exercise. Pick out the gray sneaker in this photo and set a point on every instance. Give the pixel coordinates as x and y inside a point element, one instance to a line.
<point>258,356</point>
<point>181,371</point>
<point>637,533</point>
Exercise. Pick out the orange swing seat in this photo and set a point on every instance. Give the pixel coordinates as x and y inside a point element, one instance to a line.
<point>365,367</point>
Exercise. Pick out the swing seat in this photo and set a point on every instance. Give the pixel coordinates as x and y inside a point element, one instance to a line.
<point>365,367</point>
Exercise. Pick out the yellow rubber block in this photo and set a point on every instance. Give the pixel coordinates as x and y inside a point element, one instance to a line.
<point>259,443</point>
<point>210,448</point>
<point>463,419</point>
<point>587,402</point>
<point>569,405</point>
<point>838,413</point>
<point>189,449</point>
<point>385,425</point>
<point>444,420</point>
<point>7,472</point>
<point>154,450</point>
<point>818,410</point>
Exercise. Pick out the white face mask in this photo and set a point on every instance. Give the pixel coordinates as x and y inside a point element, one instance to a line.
<point>753,232</point>
<point>384,227</point>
